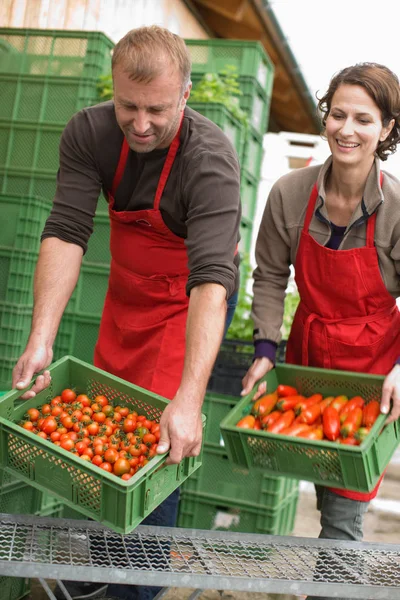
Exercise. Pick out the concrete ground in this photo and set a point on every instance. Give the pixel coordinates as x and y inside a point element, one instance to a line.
<point>382,524</point>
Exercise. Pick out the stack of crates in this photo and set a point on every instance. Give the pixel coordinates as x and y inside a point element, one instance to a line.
<point>221,496</point>
<point>23,218</point>
<point>256,74</point>
<point>46,76</point>
<point>17,497</point>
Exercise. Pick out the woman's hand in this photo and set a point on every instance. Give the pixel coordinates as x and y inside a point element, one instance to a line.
<point>391,391</point>
<point>258,369</point>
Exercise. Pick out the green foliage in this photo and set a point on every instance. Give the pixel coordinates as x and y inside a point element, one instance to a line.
<point>105,88</point>
<point>292,299</point>
<point>242,326</point>
<point>222,88</point>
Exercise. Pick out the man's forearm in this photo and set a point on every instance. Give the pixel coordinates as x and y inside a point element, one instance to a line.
<point>204,331</point>
<point>56,274</point>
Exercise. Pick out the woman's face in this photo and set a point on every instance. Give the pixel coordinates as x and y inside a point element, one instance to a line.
<point>354,126</point>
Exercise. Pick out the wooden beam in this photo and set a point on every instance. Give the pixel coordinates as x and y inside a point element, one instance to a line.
<point>225,27</point>
<point>233,9</point>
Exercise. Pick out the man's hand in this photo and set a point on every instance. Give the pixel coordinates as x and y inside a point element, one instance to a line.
<point>32,361</point>
<point>391,391</point>
<point>181,431</point>
<point>258,369</point>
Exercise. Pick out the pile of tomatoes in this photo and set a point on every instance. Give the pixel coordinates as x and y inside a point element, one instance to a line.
<point>338,419</point>
<point>113,438</point>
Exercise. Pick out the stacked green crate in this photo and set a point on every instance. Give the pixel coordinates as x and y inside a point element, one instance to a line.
<point>45,77</point>
<point>221,116</point>
<point>17,497</point>
<point>78,331</point>
<point>221,496</point>
<point>23,219</point>
<point>256,73</point>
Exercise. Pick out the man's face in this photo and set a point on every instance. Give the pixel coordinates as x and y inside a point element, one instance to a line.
<point>149,113</point>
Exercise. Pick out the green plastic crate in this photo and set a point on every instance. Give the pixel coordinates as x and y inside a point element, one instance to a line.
<point>255,103</point>
<point>216,407</point>
<point>221,116</point>
<point>23,219</point>
<point>55,52</point>
<point>218,477</point>
<point>246,234</point>
<point>248,195</point>
<point>252,156</point>
<point>121,505</point>
<point>98,252</point>
<point>28,183</point>
<point>18,498</point>
<point>17,268</point>
<point>323,462</point>
<point>201,511</point>
<point>77,335</point>
<point>33,98</point>
<point>29,145</point>
<point>249,58</point>
<point>90,292</point>
<point>14,588</point>
<point>70,513</point>
<point>15,324</point>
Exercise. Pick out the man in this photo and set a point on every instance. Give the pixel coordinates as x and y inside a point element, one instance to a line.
<point>172,181</point>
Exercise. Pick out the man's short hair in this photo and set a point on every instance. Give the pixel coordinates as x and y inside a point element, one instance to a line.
<point>146,52</point>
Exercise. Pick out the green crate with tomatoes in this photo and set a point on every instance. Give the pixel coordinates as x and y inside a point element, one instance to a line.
<point>298,434</point>
<point>117,494</point>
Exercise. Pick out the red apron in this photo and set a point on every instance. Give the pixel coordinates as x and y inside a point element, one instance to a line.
<point>142,330</point>
<point>346,318</point>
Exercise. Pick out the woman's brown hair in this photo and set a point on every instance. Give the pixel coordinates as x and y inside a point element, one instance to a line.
<point>382,85</point>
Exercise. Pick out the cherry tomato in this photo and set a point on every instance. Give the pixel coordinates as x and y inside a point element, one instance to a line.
<point>84,400</point>
<point>97,460</point>
<point>129,425</point>
<point>93,428</point>
<point>106,466</point>
<point>56,411</point>
<point>122,410</point>
<point>46,409</point>
<point>99,417</point>
<point>121,466</point>
<point>28,425</point>
<point>102,400</point>
<point>49,425</point>
<point>33,414</point>
<point>149,438</point>
<point>111,455</point>
<point>67,444</point>
<point>68,396</point>
<point>67,422</point>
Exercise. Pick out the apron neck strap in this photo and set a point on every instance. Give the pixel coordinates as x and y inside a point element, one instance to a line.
<point>310,208</point>
<point>370,241</point>
<point>169,161</point>
<point>123,157</point>
<point>371,223</point>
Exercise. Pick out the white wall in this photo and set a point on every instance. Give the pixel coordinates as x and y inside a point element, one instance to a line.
<point>112,17</point>
<point>281,150</point>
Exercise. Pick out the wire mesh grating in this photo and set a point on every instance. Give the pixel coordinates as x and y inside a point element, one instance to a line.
<point>82,550</point>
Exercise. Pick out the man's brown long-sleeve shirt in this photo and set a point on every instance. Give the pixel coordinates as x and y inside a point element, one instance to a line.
<point>200,203</point>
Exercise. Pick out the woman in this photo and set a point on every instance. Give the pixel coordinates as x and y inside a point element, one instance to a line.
<point>339,225</point>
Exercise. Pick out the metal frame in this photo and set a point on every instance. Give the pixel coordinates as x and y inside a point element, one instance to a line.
<point>50,548</point>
